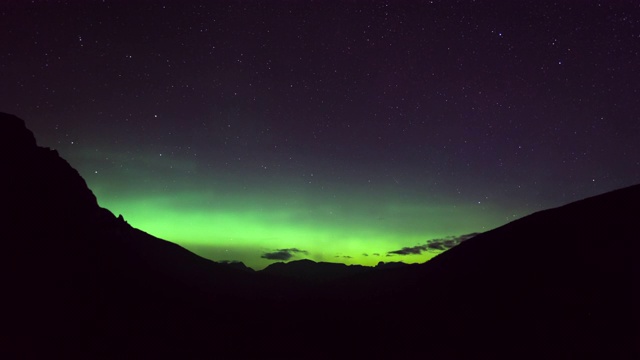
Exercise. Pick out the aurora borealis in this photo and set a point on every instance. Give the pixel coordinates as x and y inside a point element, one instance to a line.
<point>329,224</point>
<point>344,130</point>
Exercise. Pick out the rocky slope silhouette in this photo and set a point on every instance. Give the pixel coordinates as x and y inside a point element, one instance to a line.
<point>78,282</point>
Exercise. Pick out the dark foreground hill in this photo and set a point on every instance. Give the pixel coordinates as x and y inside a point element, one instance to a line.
<point>78,282</point>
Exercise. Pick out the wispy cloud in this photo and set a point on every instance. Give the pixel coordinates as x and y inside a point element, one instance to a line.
<point>433,245</point>
<point>282,254</point>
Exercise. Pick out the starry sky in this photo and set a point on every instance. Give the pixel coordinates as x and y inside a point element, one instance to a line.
<point>342,131</point>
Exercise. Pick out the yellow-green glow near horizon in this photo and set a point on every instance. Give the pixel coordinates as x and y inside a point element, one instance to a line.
<point>356,229</point>
<point>241,214</point>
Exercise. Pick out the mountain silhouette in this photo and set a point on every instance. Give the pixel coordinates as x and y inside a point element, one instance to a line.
<point>79,282</point>
<point>309,270</point>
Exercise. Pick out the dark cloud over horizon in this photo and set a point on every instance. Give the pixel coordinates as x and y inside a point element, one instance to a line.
<point>282,254</point>
<point>433,245</point>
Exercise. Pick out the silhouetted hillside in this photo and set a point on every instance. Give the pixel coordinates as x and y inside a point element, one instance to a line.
<point>78,282</point>
<point>560,283</point>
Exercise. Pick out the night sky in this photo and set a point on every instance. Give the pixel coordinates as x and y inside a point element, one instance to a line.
<point>352,132</point>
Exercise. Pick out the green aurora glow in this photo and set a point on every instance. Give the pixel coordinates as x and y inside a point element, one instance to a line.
<point>234,217</point>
